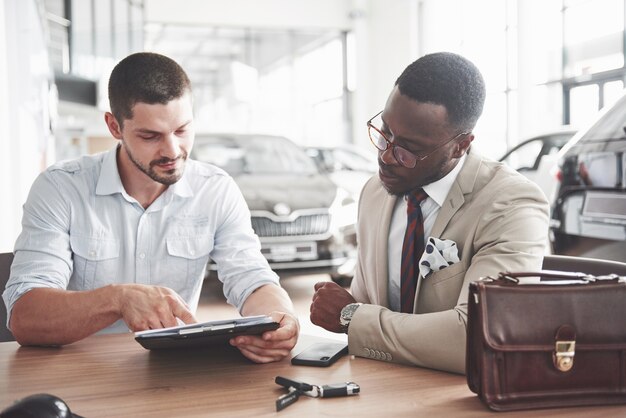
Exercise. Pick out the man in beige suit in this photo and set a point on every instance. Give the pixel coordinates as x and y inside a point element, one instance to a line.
<point>495,217</point>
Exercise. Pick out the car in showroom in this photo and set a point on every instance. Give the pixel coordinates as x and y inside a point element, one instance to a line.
<point>347,165</point>
<point>304,221</point>
<point>536,157</point>
<point>589,209</point>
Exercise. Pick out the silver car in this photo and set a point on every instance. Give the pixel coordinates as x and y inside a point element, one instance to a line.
<point>305,222</point>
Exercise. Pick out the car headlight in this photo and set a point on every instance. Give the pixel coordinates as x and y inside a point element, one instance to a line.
<point>343,211</point>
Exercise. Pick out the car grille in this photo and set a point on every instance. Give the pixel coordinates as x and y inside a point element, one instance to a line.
<point>303,225</point>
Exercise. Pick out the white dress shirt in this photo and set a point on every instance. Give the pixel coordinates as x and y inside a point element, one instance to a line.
<point>82,231</point>
<point>437,193</point>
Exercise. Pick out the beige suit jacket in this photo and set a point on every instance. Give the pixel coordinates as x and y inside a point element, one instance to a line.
<point>499,220</point>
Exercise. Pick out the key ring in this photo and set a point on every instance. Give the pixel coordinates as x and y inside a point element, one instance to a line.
<point>297,388</point>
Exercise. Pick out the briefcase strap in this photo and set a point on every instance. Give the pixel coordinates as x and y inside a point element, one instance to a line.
<point>557,277</point>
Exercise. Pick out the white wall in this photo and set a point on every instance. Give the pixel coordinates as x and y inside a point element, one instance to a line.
<point>386,43</point>
<point>252,13</point>
<point>24,122</point>
<point>539,108</point>
<point>7,218</point>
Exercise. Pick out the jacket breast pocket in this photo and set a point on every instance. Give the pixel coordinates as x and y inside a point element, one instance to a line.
<point>446,284</point>
<point>187,258</point>
<point>95,261</point>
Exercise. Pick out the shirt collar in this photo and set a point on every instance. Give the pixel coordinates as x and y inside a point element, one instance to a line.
<point>438,190</point>
<point>181,187</point>
<point>109,181</point>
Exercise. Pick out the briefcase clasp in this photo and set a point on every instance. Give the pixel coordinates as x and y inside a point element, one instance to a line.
<point>563,356</point>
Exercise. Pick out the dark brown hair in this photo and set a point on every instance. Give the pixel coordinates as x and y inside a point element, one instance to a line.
<point>147,78</point>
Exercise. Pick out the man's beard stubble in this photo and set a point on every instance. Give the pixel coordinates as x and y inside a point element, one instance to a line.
<point>172,176</point>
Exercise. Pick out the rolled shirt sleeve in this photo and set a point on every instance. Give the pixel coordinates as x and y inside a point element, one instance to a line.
<point>237,250</point>
<point>42,251</point>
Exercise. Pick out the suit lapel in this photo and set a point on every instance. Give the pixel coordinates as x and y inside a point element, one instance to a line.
<point>382,253</point>
<point>463,185</point>
<point>453,202</point>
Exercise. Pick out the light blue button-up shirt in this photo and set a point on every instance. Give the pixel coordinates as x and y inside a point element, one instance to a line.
<point>82,231</point>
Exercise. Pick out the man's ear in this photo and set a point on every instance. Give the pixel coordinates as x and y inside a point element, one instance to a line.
<point>463,145</point>
<point>113,126</point>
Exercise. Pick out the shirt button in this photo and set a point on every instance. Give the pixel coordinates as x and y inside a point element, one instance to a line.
<point>142,255</point>
<point>92,253</point>
<point>192,252</point>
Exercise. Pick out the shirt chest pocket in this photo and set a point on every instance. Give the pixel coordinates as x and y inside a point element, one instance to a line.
<point>96,261</point>
<point>187,258</point>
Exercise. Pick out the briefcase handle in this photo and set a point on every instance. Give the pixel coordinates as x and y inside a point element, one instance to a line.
<point>557,277</point>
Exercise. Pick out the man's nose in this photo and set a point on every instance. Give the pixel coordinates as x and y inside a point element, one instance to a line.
<point>387,156</point>
<point>171,147</point>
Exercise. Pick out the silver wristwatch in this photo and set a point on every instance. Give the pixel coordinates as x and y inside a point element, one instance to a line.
<point>347,313</point>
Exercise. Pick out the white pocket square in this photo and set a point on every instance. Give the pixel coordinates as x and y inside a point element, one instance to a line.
<point>438,254</point>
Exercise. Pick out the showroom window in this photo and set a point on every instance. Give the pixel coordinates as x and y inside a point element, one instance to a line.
<point>88,36</point>
<point>451,25</point>
<point>545,63</point>
<point>593,52</point>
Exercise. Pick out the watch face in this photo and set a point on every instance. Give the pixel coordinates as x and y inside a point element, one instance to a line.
<point>347,312</point>
<point>350,309</point>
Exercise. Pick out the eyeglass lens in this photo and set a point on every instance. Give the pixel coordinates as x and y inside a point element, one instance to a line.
<point>404,156</point>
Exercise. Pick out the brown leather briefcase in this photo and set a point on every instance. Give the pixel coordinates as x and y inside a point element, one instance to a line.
<point>547,339</point>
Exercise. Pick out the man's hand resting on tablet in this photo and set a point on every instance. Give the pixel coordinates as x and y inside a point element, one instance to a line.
<point>271,345</point>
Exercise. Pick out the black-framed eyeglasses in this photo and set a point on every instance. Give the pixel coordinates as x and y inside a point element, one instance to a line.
<point>405,157</point>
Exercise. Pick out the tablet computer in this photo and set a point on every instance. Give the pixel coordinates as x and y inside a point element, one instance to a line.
<point>204,333</point>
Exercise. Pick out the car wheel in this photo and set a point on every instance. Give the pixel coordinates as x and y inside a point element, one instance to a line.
<point>341,279</point>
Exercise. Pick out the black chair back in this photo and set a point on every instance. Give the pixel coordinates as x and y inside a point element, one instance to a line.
<point>594,266</point>
<point>5,269</point>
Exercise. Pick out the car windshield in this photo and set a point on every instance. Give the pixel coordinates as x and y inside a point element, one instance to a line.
<point>611,126</point>
<point>253,155</point>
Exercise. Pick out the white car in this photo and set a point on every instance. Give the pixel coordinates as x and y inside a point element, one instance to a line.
<point>536,157</point>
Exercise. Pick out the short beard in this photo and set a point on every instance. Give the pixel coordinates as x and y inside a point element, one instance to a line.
<point>441,171</point>
<point>170,178</point>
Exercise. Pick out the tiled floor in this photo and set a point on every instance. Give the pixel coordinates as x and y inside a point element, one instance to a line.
<point>213,305</point>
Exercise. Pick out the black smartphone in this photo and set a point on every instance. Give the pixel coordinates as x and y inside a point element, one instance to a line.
<point>320,354</point>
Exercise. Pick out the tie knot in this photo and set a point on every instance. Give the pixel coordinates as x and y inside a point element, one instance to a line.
<point>416,197</point>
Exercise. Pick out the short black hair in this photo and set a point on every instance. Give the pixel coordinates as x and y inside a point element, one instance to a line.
<point>145,77</point>
<point>449,80</point>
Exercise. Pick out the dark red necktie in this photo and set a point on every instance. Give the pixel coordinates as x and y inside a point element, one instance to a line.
<point>412,250</point>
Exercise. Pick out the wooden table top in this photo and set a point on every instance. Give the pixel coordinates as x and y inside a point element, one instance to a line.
<point>113,376</point>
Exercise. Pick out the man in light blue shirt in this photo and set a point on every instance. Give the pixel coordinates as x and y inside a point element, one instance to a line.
<point>120,240</point>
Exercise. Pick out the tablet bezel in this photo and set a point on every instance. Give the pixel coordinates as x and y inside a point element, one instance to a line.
<point>204,334</point>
